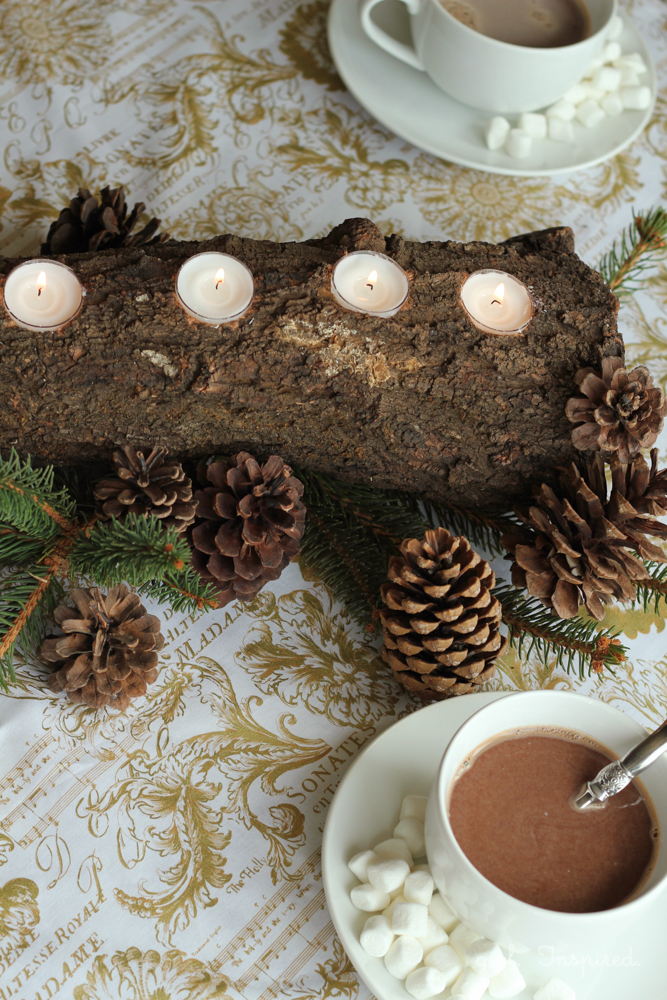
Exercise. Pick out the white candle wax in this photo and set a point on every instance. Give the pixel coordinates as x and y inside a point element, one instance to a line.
<point>42,294</point>
<point>496,302</point>
<point>214,288</point>
<point>369,283</point>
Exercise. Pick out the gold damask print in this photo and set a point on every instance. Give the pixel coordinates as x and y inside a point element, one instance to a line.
<point>335,978</point>
<point>19,915</point>
<point>165,804</point>
<point>470,205</point>
<point>303,40</point>
<point>334,143</point>
<point>641,684</point>
<point>6,845</point>
<point>303,649</point>
<point>514,673</point>
<point>610,185</point>
<point>137,975</point>
<point>247,205</point>
<point>53,41</point>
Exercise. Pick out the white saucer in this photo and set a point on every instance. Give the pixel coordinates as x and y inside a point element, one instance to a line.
<point>411,106</point>
<point>402,761</point>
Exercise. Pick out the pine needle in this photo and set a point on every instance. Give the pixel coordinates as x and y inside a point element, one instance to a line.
<point>652,591</point>
<point>29,502</point>
<point>27,599</point>
<point>185,592</point>
<point>639,248</point>
<point>136,550</point>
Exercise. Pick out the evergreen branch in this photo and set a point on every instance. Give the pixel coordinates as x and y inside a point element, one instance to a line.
<point>28,500</point>
<point>653,590</point>
<point>640,247</point>
<point>17,548</point>
<point>137,550</point>
<point>340,550</point>
<point>184,592</point>
<point>532,625</point>
<point>26,600</point>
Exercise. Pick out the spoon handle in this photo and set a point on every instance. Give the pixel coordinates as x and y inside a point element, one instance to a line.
<point>614,777</point>
<point>646,752</point>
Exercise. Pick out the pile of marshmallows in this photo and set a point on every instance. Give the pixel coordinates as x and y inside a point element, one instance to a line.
<point>611,86</point>
<point>416,933</point>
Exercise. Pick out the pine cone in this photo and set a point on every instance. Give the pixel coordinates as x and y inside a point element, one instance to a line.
<point>441,621</point>
<point>577,552</point>
<point>91,225</point>
<point>109,651</point>
<point>147,486</point>
<point>619,411</point>
<point>250,522</point>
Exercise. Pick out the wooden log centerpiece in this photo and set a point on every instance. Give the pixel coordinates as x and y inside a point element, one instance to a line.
<point>422,401</point>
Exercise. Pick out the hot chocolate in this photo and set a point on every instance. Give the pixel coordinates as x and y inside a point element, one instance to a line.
<point>511,812</point>
<point>541,24</point>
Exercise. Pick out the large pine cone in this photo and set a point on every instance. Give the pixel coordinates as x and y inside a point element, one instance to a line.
<point>147,486</point>
<point>577,552</point>
<point>109,651</point>
<point>619,411</point>
<point>441,621</point>
<point>250,523</point>
<point>87,224</point>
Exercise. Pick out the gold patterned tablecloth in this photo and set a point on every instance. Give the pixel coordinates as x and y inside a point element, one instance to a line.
<point>173,852</point>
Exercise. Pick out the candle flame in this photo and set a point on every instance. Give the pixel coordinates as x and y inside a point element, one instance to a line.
<point>219,277</point>
<point>499,294</point>
<point>41,282</point>
<point>372,278</point>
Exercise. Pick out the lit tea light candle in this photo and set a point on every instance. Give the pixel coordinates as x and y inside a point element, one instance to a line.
<point>42,294</point>
<point>496,302</point>
<point>369,282</point>
<point>214,288</point>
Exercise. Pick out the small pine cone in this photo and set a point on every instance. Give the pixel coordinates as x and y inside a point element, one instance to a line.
<point>147,486</point>
<point>109,651</point>
<point>441,622</point>
<point>87,224</point>
<point>576,549</point>
<point>249,524</point>
<point>617,412</point>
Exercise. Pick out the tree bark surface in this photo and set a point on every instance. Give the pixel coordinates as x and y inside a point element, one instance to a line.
<point>423,401</point>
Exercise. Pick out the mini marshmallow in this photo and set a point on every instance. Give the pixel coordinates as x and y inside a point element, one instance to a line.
<point>629,78</point>
<point>612,105</point>
<point>414,806</point>
<point>576,94</point>
<point>418,888</point>
<point>632,60</point>
<point>411,830</point>
<point>562,109</point>
<point>389,912</point>
<point>555,989</point>
<point>446,961</point>
<point>607,78</point>
<point>636,98</point>
<point>388,874</point>
<point>441,913</point>
<point>403,957</point>
<point>393,848</point>
<point>533,125</point>
<point>518,144</point>
<point>435,937</point>
<point>590,114</point>
<point>495,133</point>
<point>461,938</point>
<point>366,898</point>
<point>469,986</point>
<point>424,983</point>
<point>410,918</point>
<point>485,958</point>
<point>377,936</point>
<point>507,983</point>
<point>395,893</point>
<point>561,131</point>
<point>422,868</point>
<point>615,27</point>
<point>360,862</point>
<point>611,51</point>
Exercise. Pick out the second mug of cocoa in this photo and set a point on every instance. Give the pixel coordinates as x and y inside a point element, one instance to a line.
<point>504,56</point>
<point>508,849</point>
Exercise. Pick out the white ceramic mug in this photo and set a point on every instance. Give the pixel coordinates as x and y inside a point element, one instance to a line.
<point>484,72</point>
<point>578,937</point>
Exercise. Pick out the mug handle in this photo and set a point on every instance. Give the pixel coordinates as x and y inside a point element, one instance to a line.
<point>406,53</point>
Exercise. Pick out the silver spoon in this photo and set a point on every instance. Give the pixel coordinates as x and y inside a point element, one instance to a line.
<point>615,776</point>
